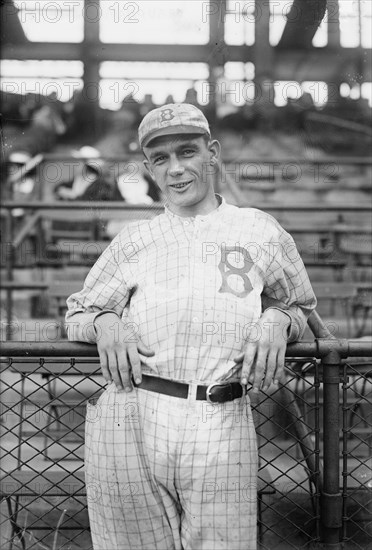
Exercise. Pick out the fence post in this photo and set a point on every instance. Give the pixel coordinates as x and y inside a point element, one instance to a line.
<point>10,259</point>
<point>331,497</point>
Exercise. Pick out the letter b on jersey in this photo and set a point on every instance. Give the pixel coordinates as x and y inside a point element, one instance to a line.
<point>227,270</point>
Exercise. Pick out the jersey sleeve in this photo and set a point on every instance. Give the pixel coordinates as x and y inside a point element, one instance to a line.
<point>104,290</point>
<point>287,286</point>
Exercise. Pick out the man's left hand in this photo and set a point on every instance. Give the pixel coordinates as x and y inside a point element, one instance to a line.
<point>263,356</point>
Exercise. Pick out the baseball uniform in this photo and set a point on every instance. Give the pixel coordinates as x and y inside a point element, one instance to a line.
<point>161,471</point>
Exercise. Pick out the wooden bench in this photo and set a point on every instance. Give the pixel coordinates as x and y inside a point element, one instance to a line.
<point>89,224</point>
<point>58,292</point>
<point>357,248</point>
<point>73,252</point>
<point>322,264</point>
<point>343,293</point>
<point>356,299</point>
<point>349,241</point>
<point>61,290</point>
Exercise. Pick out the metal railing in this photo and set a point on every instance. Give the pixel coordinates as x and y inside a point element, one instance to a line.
<point>314,434</point>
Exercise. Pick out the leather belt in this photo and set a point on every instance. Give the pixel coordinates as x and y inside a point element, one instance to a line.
<point>214,393</point>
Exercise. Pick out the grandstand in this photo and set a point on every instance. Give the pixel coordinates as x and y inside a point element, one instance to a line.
<point>287,89</point>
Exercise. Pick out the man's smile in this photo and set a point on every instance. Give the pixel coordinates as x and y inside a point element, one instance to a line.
<point>180,185</point>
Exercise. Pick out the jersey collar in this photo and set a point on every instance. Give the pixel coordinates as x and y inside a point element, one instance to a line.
<point>221,206</point>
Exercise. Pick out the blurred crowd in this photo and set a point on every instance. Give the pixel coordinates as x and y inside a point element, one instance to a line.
<point>35,124</point>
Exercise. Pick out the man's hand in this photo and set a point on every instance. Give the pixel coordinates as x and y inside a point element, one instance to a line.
<point>263,357</point>
<point>119,347</point>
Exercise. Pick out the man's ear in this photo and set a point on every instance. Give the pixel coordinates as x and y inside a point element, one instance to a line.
<point>214,150</point>
<point>148,168</point>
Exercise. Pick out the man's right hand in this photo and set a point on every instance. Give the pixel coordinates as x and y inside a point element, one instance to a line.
<point>119,348</point>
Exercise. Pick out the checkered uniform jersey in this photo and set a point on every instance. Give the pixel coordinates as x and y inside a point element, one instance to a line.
<point>194,288</point>
<point>180,474</point>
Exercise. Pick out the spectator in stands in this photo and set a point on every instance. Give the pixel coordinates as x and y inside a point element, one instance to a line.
<point>119,132</point>
<point>133,187</point>
<point>92,183</point>
<point>296,111</point>
<point>191,97</point>
<point>46,125</point>
<point>136,187</point>
<point>169,99</point>
<point>147,105</point>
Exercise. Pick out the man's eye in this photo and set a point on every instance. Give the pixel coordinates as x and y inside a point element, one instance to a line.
<point>188,152</point>
<point>158,160</point>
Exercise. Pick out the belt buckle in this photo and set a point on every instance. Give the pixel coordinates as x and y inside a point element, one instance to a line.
<point>208,391</point>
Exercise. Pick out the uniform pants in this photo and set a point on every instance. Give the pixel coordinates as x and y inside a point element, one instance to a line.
<point>170,474</point>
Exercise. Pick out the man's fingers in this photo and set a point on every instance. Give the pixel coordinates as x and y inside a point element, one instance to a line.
<point>114,369</point>
<point>271,365</point>
<point>104,366</point>
<point>260,368</point>
<point>124,367</point>
<point>135,363</point>
<point>280,365</point>
<point>249,355</point>
<point>119,350</point>
<point>122,363</point>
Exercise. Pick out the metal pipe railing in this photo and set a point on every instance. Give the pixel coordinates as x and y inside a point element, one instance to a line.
<point>320,349</point>
<point>10,260</point>
<point>331,499</point>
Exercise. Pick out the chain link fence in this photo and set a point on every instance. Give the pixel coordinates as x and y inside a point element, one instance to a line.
<point>315,464</point>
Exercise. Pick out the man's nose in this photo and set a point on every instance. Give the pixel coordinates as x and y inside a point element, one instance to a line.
<point>175,167</point>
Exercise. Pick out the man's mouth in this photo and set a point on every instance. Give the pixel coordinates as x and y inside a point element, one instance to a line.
<point>180,185</point>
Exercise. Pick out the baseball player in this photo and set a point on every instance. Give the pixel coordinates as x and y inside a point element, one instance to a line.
<point>188,310</point>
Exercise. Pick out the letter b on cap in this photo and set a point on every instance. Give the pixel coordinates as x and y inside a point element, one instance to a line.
<point>166,115</point>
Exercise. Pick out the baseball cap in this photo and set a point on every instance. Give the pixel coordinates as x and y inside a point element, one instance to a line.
<point>173,118</point>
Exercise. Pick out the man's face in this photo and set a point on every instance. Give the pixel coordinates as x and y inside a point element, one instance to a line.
<point>183,167</point>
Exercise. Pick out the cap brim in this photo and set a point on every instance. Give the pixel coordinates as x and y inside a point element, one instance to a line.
<point>173,130</point>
